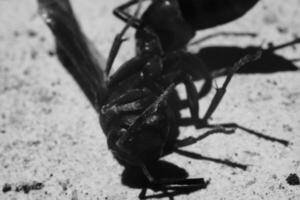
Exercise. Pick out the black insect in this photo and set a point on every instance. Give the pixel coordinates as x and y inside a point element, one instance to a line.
<point>173,23</point>
<point>135,104</point>
<point>176,21</point>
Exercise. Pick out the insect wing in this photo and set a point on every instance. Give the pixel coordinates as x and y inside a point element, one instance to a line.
<point>74,50</point>
<point>203,14</point>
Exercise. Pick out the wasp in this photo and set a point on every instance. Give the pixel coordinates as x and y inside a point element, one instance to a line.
<point>136,103</point>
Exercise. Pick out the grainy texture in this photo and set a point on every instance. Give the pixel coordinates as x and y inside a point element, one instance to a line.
<point>49,132</point>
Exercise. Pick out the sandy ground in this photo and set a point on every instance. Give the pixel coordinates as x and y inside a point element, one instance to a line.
<point>49,133</point>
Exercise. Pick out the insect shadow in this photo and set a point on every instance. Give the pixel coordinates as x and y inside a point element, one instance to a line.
<point>133,177</point>
<point>269,63</point>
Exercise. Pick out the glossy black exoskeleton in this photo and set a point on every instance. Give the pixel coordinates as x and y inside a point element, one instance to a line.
<point>176,21</point>
<point>135,103</point>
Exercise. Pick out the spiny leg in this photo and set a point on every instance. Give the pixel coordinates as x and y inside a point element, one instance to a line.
<point>227,128</point>
<point>142,118</point>
<point>216,100</point>
<point>119,39</point>
<point>191,90</point>
<point>221,128</point>
<point>127,103</point>
<point>192,140</point>
<point>250,131</point>
<point>185,75</point>
<point>216,160</point>
<point>221,91</point>
<point>193,62</point>
<point>152,108</point>
<point>235,34</point>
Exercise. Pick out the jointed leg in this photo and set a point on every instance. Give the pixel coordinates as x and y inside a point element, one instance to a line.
<point>119,39</point>
<point>129,96</point>
<point>132,101</point>
<point>252,132</point>
<point>191,90</point>
<point>187,66</point>
<point>235,34</point>
<point>142,118</point>
<point>192,98</point>
<point>120,13</point>
<point>221,91</point>
<point>194,65</point>
<point>227,128</point>
<point>152,108</point>
<point>184,75</point>
<point>192,140</point>
<point>216,160</point>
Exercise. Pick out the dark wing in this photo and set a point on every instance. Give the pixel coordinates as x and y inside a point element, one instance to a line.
<point>74,50</point>
<point>203,14</point>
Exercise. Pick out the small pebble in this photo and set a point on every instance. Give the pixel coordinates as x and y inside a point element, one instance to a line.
<point>293,179</point>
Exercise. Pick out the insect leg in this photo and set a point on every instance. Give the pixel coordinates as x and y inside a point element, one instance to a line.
<point>216,160</point>
<point>185,74</point>
<point>224,34</point>
<point>120,13</point>
<point>119,39</point>
<point>133,106</point>
<point>152,108</point>
<point>196,65</point>
<point>227,128</point>
<point>252,132</point>
<point>192,94</point>
<point>221,91</point>
<point>192,97</point>
<point>129,96</point>
<point>192,140</point>
<point>293,42</point>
